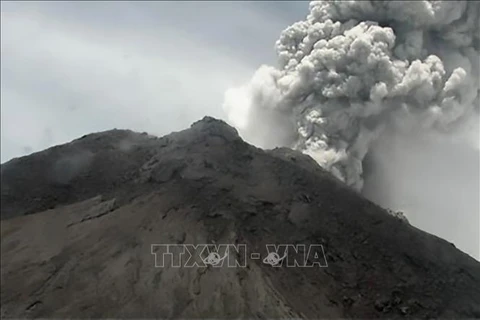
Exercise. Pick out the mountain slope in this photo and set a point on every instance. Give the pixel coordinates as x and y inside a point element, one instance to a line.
<point>79,221</point>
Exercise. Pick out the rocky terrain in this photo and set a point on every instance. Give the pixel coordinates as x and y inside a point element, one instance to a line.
<point>79,220</point>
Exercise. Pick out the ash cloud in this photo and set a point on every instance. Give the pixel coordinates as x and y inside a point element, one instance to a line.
<point>355,72</point>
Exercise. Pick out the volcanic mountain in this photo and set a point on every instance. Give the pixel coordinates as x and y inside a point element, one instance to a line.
<point>79,222</point>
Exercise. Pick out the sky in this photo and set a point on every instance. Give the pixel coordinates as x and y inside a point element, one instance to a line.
<point>73,68</point>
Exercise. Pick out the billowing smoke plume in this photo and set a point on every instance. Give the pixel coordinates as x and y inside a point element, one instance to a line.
<point>353,71</point>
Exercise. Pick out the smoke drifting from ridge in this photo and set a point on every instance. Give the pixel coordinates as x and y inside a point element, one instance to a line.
<point>356,72</point>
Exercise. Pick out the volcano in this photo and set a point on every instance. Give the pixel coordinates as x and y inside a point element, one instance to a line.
<point>79,222</point>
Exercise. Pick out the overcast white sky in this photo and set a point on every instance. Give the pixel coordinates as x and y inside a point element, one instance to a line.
<point>71,68</point>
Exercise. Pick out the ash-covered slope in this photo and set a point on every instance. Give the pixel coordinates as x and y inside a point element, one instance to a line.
<point>79,221</point>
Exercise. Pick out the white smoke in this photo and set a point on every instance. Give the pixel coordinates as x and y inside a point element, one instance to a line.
<point>355,71</point>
